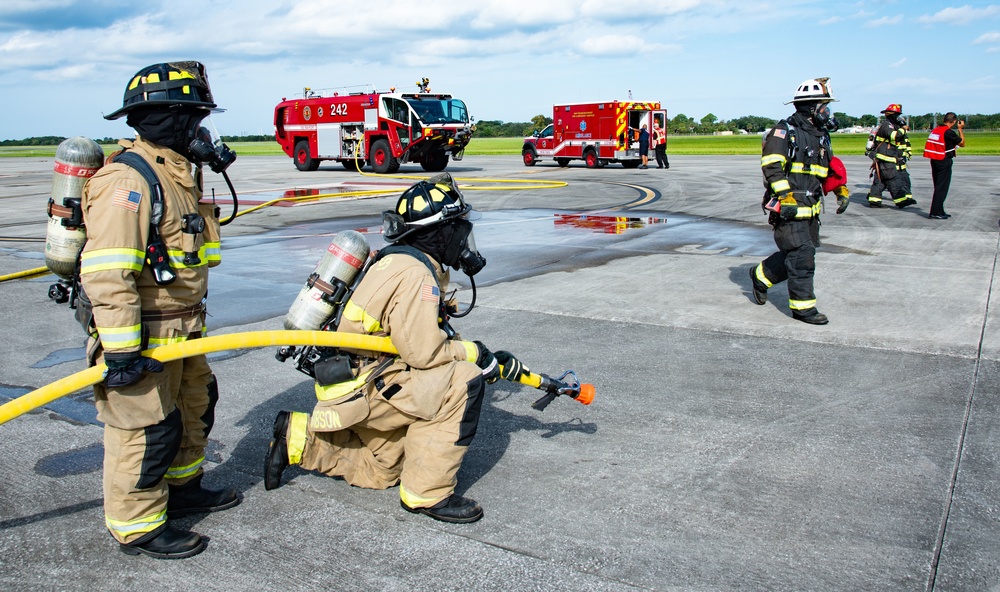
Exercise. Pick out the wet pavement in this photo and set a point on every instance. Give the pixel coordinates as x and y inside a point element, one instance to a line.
<point>729,447</point>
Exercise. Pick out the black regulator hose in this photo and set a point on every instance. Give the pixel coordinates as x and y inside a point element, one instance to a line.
<point>236,202</point>
<point>472,304</point>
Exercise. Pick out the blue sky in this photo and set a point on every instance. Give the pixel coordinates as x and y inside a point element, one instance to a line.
<point>64,63</point>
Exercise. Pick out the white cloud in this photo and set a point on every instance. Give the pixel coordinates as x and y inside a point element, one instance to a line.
<point>884,21</point>
<point>897,63</point>
<point>991,37</point>
<point>961,15</point>
<point>831,20</point>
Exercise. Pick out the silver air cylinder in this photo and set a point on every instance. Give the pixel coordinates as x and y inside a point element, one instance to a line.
<point>77,159</point>
<point>328,284</point>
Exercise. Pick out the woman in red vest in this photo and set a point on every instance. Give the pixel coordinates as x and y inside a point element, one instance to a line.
<point>940,148</point>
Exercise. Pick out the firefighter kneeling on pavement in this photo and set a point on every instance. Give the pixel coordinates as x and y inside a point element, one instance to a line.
<point>406,419</point>
<point>796,159</point>
<point>157,416</point>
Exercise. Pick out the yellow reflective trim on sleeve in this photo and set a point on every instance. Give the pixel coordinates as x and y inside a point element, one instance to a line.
<point>772,158</point>
<point>801,304</point>
<point>340,389</point>
<point>105,259</point>
<point>212,252</point>
<point>120,337</point>
<point>185,471</point>
<point>353,312</point>
<point>781,186</point>
<point>295,439</point>
<point>177,259</point>
<point>125,528</point>
<point>415,501</point>
<point>471,351</point>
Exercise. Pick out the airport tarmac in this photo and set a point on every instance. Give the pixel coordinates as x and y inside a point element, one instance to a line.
<point>729,446</point>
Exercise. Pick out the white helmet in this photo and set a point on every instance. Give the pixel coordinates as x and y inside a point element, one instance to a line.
<point>814,89</point>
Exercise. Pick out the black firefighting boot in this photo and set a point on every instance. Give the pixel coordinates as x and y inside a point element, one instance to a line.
<point>815,318</point>
<point>192,498</point>
<point>906,202</point>
<point>759,289</point>
<point>455,509</point>
<point>165,542</point>
<point>276,460</point>
<point>874,204</point>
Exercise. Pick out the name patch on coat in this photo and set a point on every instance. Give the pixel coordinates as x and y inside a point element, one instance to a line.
<point>126,198</point>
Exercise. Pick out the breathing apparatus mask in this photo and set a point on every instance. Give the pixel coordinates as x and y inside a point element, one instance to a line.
<point>823,117</point>
<point>207,147</point>
<point>453,244</point>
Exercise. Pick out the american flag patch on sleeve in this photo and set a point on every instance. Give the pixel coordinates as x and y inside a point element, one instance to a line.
<point>430,292</point>
<point>779,133</point>
<point>126,198</point>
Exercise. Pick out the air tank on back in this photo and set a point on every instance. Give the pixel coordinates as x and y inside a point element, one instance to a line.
<point>77,159</point>
<point>329,283</point>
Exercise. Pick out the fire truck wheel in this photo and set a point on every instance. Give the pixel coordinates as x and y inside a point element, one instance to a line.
<point>303,161</point>
<point>563,162</point>
<point>590,157</point>
<point>528,155</point>
<point>382,159</point>
<point>435,161</point>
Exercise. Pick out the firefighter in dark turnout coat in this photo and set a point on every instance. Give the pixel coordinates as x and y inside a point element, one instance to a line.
<point>795,159</point>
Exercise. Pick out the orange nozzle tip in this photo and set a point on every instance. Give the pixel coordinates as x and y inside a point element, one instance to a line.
<point>586,395</point>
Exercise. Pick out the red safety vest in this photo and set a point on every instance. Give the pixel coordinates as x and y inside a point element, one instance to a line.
<point>659,136</point>
<point>934,148</point>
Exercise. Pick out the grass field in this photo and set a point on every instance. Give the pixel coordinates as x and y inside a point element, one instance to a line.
<point>977,144</point>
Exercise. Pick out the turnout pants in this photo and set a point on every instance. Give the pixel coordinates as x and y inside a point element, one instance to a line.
<point>155,434</point>
<point>403,440</point>
<point>896,181</point>
<point>795,261</point>
<point>661,155</point>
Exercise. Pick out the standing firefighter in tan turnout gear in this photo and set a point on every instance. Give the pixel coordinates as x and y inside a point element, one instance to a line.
<point>407,419</point>
<point>144,271</point>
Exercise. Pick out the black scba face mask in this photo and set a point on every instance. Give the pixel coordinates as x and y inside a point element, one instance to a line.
<point>453,245</point>
<point>182,131</point>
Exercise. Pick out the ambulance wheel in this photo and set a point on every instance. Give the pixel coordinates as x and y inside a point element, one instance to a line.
<point>303,161</point>
<point>529,157</point>
<point>563,162</point>
<point>353,165</point>
<point>435,161</point>
<point>382,159</point>
<point>591,159</point>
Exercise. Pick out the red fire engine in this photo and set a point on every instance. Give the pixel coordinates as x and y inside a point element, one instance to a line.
<point>384,129</point>
<point>598,133</point>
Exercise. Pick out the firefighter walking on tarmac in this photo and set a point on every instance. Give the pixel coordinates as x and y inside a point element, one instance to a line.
<point>407,419</point>
<point>889,153</point>
<point>144,278</point>
<point>795,159</point>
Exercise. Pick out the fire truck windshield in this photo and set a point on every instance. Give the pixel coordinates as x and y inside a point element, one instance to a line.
<point>440,111</point>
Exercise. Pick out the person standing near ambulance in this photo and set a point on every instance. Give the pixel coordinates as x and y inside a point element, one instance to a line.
<point>406,419</point>
<point>660,143</point>
<point>796,160</point>
<point>147,282</point>
<point>940,149</point>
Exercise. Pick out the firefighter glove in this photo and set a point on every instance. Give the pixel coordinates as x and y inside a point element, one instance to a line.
<point>843,198</point>
<point>487,362</point>
<point>510,367</point>
<point>125,369</point>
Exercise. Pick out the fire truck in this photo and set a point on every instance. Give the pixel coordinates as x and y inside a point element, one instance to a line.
<point>598,133</point>
<point>383,129</point>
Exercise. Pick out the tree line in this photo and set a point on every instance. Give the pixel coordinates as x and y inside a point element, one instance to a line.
<point>679,124</point>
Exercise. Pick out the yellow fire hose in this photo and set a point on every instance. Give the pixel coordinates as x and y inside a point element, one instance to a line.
<point>248,340</point>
